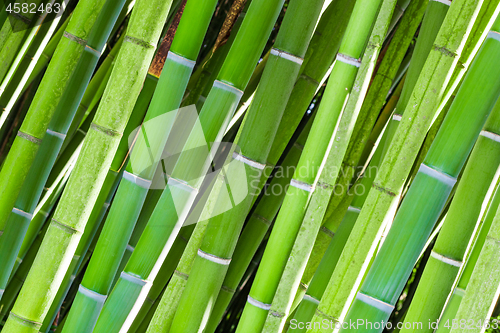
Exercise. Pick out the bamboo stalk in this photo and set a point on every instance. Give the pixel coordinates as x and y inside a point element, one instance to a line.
<point>459,225</point>
<point>71,216</point>
<point>13,35</point>
<point>459,290</point>
<point>27,143</point>
<point>22,211</point>
<point>382,198</point>
<point>290,279</point>
<point>429,191</point>
<point>256,229</point>
<point>482,291</point>
<point>153,246</point>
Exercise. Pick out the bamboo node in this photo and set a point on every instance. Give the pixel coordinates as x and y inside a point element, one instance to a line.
<point>140,42</point>
<point>490,135</point>
<point>92,294</point>
<point>302,185</point>
<point>325,186</point>
<point>29,137</point>
<point>445,259</point>
<point>139,181</point>
<point>327,231</point>
<point>180,59</point>
<point>444,2</point>
<point>248,161</point>
<point>25,321</point>
<point>353,209</point>
<point>74,38</point>
<point>262,218</point>
<point>133,278</point>
<point>183,276</point>
<point>61,136</point>
<point>375,302</point>
<point>287,56</point>
<point>303,285</point>
<point>309,79</point>
<point>397,117</point>
<point>383,190</point>
<point>298,146</point>
<point>105,130</point>
<point>229,290</point>
<point>20,17</point>
<point>213,258</point>
<point>183,184</point>
<point>459,291</point>
<point>436,174</point>
<point>258,304</point>
<point>494,35</point>
<point>444,51</point>
<point>228,87</point>
<point>64,227</point>
<point>348,60</point>
<point>324,315</point>
<point>22,213</point>
<point>94,51</point>
<point>311,299</point>
<point>277,314</point>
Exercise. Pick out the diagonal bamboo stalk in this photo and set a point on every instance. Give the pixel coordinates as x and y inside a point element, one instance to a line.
<point>71,216</point>
<point>54,82</point>
<point>453,239</point>
<point>15,31</point>
<point>459,290</point>
<point>138,175</point>
<point>382,198</point>
<point>301,250</point>
<point>299,193</point>
<point>153,245</point>
<point>430,189</point>
<point>22,212</point>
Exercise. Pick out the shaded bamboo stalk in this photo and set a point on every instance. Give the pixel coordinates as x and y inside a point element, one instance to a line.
<point>383,196</point>
<point>22,212</point>
<point>72,213</point>
<point>29,137</point>
<point>430,189</point>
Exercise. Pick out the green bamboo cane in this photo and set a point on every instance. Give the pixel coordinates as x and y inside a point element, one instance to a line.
<point>256,229</point>
<point>153,245</point>
<point>8,71</point>
<point>164,315</point>
<point>93,92</point>
<point>139,174</point>
<point>482,291</point>
<point>314,281</point>
<point>22,212</point>
<point>164,275</point>
<point>29,249</point>
<point>290,279</point>
<point>376,95</point>
<point>369,112</point>
<point>323,46</point>
<point>54,257</point>
<point>12,36</point>
<point>28,69</point>
<point>298,195</point>
<point>382,199</point>
<point>430,189</point>
<point>459,291</point>
<point>203,78</point>
<point>453,239</point>
<point>27,142</point>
